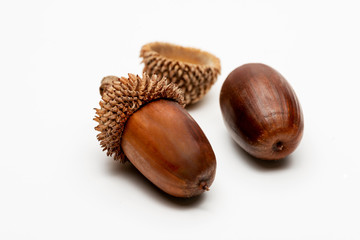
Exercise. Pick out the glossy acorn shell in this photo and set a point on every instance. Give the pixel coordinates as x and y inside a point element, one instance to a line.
<point>261,111</point>
<point>168,147</point>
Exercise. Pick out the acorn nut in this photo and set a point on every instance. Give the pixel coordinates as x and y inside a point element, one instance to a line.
<point>142,120</point>
<point>261,111</point>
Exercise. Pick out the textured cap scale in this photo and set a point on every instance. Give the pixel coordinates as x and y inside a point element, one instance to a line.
<point>121,97</point>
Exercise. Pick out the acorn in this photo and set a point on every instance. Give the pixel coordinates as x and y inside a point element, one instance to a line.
<point>191,69</point>
<point>142,120</point>
<point>261,111</point>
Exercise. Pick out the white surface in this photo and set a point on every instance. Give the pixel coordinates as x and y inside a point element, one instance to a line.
<point>56,183</point>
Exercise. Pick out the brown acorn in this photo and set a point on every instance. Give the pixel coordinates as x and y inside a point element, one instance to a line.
<point>261,111</point>
<point>143,120</point>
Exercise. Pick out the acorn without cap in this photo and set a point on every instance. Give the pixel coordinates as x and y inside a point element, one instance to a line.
<point>143,120</point>
<point>261,111</point>
<point>191,69</point>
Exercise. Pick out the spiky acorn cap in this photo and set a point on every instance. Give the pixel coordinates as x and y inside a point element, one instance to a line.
<point>191,69</point>
<point>121,97</point>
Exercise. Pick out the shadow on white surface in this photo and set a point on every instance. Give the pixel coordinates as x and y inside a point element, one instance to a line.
<point>127,172</point>
<point>262,165</point>
<point>200,104</point>
<point>195,106</point>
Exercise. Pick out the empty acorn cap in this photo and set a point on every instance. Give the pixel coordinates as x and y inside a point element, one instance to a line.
<point>121,97</point>
<point>191,69</point>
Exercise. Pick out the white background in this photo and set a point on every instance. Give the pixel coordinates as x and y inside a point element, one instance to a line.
<point>56,183</point>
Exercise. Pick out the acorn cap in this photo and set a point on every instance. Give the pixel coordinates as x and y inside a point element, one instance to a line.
<point>191,69</point>
<point>121,97</point>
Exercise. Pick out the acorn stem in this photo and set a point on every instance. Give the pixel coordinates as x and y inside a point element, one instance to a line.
<point>204,185</point>
<point>278,146</point>
<point>105,83</point>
